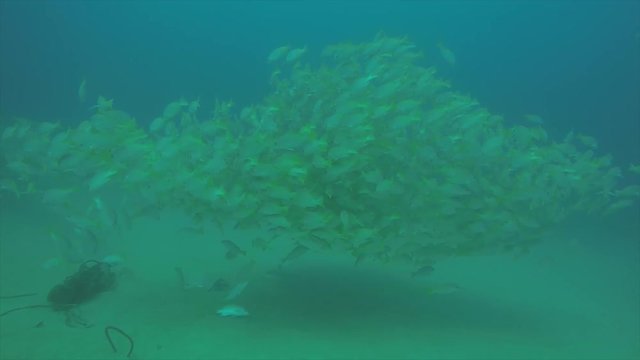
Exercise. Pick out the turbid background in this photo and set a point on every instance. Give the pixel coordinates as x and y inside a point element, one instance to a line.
<point>575,296</point>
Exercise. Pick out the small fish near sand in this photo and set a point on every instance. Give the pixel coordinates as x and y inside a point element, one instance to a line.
<point>232,311</point>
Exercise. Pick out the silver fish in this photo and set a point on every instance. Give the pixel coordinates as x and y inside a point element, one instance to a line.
<point>232,311</point>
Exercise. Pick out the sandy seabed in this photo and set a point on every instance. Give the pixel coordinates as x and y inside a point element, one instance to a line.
<point>575,296</point>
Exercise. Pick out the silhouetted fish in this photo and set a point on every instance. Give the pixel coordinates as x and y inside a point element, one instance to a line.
<point>294,254</point>
<point>233,250</point>
<point>220,285</point>
<point>423,271</point>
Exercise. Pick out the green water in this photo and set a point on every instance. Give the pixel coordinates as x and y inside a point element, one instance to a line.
<point>573,297</point>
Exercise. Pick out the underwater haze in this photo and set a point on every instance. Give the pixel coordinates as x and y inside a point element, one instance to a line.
<point>320,179</point>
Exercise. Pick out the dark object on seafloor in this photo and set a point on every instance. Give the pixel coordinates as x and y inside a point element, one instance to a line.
<point>220,285</point>
<point>92,278</point>
<point>108,335</point>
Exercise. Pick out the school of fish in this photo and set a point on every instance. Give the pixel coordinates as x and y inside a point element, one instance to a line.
<point>369,153</point>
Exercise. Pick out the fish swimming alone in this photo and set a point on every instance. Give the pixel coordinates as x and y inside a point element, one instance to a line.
<point>82,90</point>
<point>447,54</point>
<point>232,311</point>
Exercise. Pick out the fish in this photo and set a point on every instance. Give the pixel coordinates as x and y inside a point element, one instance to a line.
<point>47,127</point>
<point>193,230</point>
<point>618,205</point>
<point>260,243</point>
<point>174,108</point>
<point>233,250</point>
<point>56,196</point>
<point>236,290</point>
<point>220,285</point>
<point>359,258</point>
<point>114,260</point>
<point>82,90</point>
<point>422,271</point>
<point>442,289</point>
<point>103,104</point>
<point>295,54</point>
<point>278,222</point>
<point>320,242</point>
<point>157,124</point>
<point>534,119</point>
<point>101,178</point>
<point>277,53</point>
<point>9,132</point>
<point>51,263</point>
<point>232,311</point>
<point>588,141</point>
<point>447,55</point>
<point>194,106</point>
<point>312,221</point>
<point>363,82</point>
<point>69,249</point>
<point>181,278</point>
<point>107,217</point>
<point>344,219</point>
<point>297,251</point>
